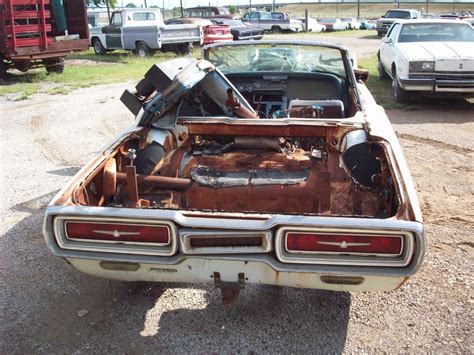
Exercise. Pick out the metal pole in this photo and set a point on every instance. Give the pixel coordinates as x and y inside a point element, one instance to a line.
<point>273,6</point>
<point>306,20</point>
<point>181,4</point>
<point>358,9</point>
<point>337,8</point>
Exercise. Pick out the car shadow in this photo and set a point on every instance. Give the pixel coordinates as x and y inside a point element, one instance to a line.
<point>54,308</point>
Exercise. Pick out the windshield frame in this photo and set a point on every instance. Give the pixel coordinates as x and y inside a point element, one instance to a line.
<point>348,72</point>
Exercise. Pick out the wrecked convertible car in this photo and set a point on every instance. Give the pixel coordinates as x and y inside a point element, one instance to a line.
<point>265,163</point>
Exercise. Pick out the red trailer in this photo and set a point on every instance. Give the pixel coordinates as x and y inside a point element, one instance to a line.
<point>41,33</point>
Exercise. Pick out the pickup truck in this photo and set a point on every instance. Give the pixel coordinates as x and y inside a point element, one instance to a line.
<point>276,24</point>
<point>143,31</point>
<point>384,23</point>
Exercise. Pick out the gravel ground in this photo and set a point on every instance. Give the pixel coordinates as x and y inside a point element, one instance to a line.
<point>47,306</point>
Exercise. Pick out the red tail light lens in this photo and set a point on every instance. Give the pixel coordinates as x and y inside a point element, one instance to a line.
<point>118,232</point>
<point>344,244</point>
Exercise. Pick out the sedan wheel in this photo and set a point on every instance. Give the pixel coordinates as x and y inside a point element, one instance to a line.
<point>400,95</point>
<point>382,73</point>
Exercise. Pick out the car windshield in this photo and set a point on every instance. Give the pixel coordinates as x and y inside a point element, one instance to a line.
<point>397,14</point>
<point>328,20</point>
<point>436,32</point>
<point>277,58</point>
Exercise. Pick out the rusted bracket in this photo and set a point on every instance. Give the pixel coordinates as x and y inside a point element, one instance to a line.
<point>230,290</point>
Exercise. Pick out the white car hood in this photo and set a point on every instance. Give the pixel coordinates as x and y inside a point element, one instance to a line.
<point>448,56</point>
<point>437,50</point>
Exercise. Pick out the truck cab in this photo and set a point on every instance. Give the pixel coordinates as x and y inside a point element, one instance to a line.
<point>274,22</point>
<point>384,23</point>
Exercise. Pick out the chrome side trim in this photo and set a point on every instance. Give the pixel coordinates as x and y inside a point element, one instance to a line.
<point>187,235</point>
<point>341,258</point>
<point>110,246</point>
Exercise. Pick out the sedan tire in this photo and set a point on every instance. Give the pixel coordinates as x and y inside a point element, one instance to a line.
<point>382,73</point>
<point>400,95</point>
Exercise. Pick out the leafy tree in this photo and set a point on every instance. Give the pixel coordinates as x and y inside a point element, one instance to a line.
<point>131,5</point>
<point>233,9</point>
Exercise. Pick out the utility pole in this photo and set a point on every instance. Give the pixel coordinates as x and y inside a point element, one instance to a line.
<point>181,4</point>
<point>273,6</point>
<point>358,9</point>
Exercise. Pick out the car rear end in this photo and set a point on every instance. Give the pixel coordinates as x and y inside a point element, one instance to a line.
<point>181,246</point>
<point>216,33</point>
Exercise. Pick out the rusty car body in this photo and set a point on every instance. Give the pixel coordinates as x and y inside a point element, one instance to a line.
<point>265,162</point>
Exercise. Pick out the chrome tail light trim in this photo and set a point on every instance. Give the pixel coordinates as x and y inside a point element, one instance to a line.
<point>110,246</point>
<point>344,258</point>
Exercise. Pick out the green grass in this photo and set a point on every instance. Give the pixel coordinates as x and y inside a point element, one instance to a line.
<point>382,89</point>
<point>81,70</point>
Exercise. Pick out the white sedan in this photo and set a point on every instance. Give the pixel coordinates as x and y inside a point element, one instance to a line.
<point>430,56</point>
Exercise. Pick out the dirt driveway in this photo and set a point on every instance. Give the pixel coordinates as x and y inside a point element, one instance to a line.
<point>46,139</point>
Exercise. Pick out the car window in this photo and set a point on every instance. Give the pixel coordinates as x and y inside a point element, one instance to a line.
<point>265,16</point>
<point>116,19</point>
<point>436,32</point>
<point>394,32</point>
<point>277,16</point>
<point>254,16</point>
<point>397,14</point>
<point>143,16</point>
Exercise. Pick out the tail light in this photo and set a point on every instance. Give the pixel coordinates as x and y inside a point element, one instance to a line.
<point>344,246</point>
<point>116,235</point>
<point>118,232</point>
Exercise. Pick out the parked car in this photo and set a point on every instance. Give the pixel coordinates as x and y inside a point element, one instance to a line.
<point>430,56</point>
<point>384,23</point>
<point>205,11</point>
<point>143,31</point>
<point>333,24</point>
<point>212,32</point>
<point>30,39</point>
<point>366,24</point>
<point>313,25</point>
<point>239,29</point>
<point>470,21</point>
<point>279,168</point>
<point>428,15</point>
<point>266,22</point>
<point>352,23</point>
